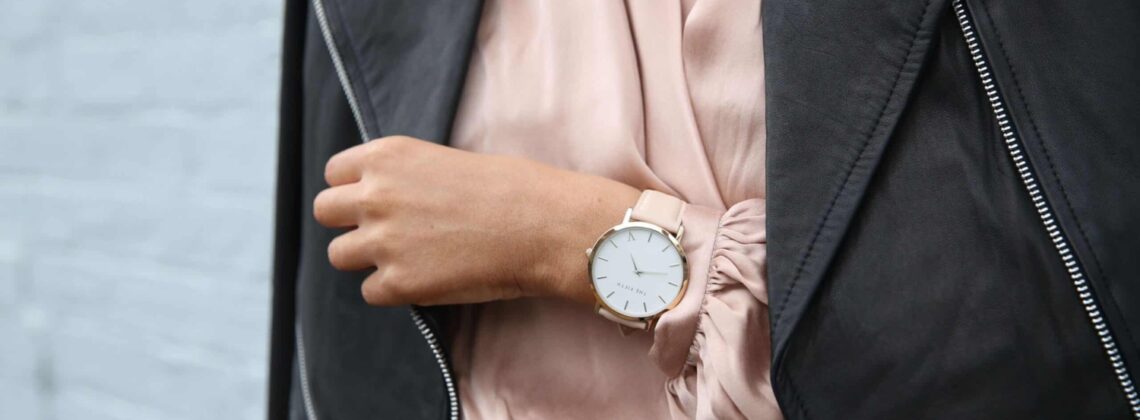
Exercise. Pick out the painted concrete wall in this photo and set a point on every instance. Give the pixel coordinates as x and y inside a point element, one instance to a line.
<point>137,145</point>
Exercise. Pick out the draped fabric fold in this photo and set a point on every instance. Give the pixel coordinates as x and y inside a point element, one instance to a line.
<point>663,96</point>
<point>726,360</point>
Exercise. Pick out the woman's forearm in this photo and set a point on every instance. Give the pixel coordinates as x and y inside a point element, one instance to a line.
<point>442,226</point>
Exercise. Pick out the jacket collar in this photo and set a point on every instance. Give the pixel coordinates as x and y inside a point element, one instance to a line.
<point>838,75</point>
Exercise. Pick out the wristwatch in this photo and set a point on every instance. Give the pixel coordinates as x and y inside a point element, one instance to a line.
<point>637,268</point>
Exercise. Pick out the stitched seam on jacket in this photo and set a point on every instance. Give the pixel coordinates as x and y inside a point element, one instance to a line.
<point>851,167</point>
<point>366,98</point>
<point>1049,162</point>
<point>795,394</point>
<point>926,9</point>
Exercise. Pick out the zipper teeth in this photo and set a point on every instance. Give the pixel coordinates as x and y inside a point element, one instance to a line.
<point>342,75</point>
<point>429,336</point>
<point>417,318</point>
<point>1076,273</point>
<point>432,341</point>
<point>310,410</point>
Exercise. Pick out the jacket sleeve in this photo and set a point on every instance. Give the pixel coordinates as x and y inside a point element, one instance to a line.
<point>715,345</point>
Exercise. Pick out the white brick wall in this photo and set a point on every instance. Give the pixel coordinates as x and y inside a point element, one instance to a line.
<point>137,146</point>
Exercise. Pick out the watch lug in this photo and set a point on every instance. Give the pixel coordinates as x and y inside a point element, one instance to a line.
<point>680,232</point>
<point>589,252</point>
<point>628,213</point>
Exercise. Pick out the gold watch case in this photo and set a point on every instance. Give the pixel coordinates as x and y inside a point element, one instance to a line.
<point>675,240</point>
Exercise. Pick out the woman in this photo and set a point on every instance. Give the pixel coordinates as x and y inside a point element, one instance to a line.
<point>949,296</point>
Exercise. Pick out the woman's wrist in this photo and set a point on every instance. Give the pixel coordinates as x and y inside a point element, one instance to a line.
<point>580,211</point>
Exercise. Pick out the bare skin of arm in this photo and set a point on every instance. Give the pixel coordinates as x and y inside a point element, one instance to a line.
<point>438,225</point>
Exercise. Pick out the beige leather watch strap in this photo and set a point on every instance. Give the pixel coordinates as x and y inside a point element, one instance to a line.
<point>606,313</point>
<point>660,209</point>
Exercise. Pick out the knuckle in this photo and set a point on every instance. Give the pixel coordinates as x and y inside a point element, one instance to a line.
<point>398,290</point>
<point>375,236</point>
<point>375,190</point>
<point>369,291</point>
<point>337,254</point>
<point>321,207</point>
<point>379,147</point>
<point>397,140</point>
<point>373,244</point>
<point>394,144</point>
<point>393,242</point>
<point>336,163</point>
<point>376,200</point>
<point>330,169</point>
<point>380,290</point>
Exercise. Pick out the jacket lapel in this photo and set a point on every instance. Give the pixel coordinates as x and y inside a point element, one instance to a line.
<point>838,75</point>
<point>405,61</point>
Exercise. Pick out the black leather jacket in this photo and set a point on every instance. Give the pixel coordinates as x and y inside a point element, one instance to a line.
<point>953,209</point>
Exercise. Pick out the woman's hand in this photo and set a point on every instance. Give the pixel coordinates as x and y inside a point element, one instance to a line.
<point>443,226</point>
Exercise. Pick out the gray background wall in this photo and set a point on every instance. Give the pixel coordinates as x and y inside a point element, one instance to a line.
<point>137,144</point>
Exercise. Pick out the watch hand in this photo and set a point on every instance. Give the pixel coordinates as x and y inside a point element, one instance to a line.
<point>635,270</point>
<point>651,272</point>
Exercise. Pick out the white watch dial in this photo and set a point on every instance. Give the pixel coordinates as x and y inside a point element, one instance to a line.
<point>637,271</point>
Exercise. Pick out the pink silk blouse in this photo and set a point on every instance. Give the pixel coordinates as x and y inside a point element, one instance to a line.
<point>664,95</point>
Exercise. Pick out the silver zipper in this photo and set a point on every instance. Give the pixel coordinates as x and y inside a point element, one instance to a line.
<point>341,74</point>
<point>425,330</point>
<point>432,341</point>
<point>310,411</point>
<point>417,317</point>
<point>1060,241</point>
